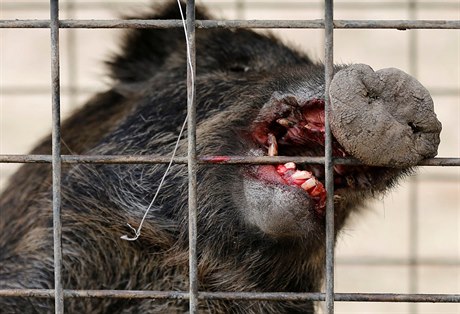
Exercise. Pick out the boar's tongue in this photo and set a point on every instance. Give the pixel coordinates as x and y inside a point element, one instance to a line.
<point>289,126</point>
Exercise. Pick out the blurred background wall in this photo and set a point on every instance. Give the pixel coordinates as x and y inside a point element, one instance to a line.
<point>405,242</point>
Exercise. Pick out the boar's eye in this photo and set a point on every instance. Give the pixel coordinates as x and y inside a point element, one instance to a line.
<point>240,68</point>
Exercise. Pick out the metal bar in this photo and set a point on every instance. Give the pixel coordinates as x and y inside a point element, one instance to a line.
<point>118,294</point>
<point>211,24</point>
<point>344,297</point>
<point>233,160</point>
<point>34,89</point>
<point>396,297</point>
<point>56,156</point>
<point>287,5</point>
<point>440,162</point>
<point>329,163</point>
<point>255,296</point>
<point>413,274</point>
<point>192,159</point>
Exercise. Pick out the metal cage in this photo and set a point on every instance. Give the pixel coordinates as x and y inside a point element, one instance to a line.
<point>328,24</point>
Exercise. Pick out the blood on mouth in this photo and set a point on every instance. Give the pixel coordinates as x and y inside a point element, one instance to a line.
<point>305,180</point>
<point>297,131</point>
<point>295,177</point>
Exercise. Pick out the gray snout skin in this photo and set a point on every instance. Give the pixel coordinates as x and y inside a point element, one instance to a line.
<point>383,118</point>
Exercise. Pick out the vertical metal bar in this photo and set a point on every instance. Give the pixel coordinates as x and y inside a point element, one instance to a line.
<point>192,162</point>
<point>413,183</point>
<point>56,155</point>
<point>329,166</point>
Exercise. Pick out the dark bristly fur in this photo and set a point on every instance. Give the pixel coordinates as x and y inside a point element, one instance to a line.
<point>237,73</point>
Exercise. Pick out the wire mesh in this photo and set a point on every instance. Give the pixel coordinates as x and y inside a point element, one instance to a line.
<point>193,295</point>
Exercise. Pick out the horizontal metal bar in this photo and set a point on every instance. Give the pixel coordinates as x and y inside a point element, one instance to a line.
<point>440,162</point>
<point>127,159</point>
<point>287,5</point>
<point>208,24</point>
<point>397,297</point>
<point>34,89</point>
<point>398,24</point>
<point>254,296</point>
<point>86,159</point>
<point>130,159</point>
<point>347,297</point>
<point>263,296</point>
<point>269,160</point>
<point>119,294</point>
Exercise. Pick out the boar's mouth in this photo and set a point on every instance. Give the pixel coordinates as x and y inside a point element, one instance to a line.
<point>288,126</point>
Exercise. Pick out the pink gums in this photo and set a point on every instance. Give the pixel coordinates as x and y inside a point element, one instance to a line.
<point>304,180</point>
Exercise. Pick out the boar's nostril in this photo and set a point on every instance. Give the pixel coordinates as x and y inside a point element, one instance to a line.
<point>414,127</point>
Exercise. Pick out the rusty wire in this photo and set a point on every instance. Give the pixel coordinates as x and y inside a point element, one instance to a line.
<point>56,156</point>
<point>208,24</point>
<point>258,296</point>
<point>234,160</point>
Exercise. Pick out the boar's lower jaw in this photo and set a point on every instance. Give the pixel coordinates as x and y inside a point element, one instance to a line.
<point>289,175</point>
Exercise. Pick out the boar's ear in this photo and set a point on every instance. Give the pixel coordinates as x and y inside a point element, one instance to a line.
<point>144,50</point>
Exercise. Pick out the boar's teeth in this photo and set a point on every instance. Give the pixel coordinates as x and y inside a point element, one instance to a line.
<point>290,165</point>
<point>285,122</point>
<point>310,183</point>
<point>301,174</point>
<point>272,145</point>
<point>272,150</point>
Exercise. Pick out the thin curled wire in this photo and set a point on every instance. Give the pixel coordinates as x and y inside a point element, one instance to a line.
<point>137,232</point>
